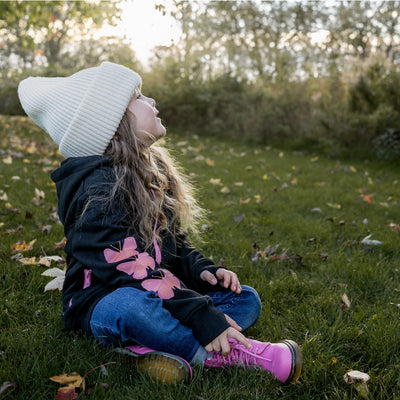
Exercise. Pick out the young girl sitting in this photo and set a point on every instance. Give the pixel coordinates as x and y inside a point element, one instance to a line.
<point>133,278</point>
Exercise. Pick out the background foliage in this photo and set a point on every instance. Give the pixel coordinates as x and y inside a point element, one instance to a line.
<point>315,75</point>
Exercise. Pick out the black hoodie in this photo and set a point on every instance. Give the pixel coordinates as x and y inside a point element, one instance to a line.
<point>104,253</point>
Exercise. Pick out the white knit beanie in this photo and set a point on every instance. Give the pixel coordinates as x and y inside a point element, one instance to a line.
<point>80,112</point>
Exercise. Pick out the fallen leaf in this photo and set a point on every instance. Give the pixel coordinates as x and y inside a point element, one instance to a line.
<point>239,218</point>
<point>359,381</point>
<point>316,210</point>
<point>395,227</point>
<point>28,260</point>
<point>238,184</point>
<point>367,198</point>
<point>10,231</point>
<point>215,182</point>
<point>345,302</point>
<point>314,159</point>
<point>352,169</point>
<point>66,393</point>
<point>210,162</point>
<point>57,282</point>
<point>39,197</point>
<point>61,244</point>
<point>334,205</point>
<point>22,246</point>
<point>69,379</point>
<point>11,209</point>
<point>369,242</point>
<point>7,385</point>
<point>7,160</point>
<point>4,197</point>
<point>257,198</point>
<point>225,190</point>
<point>47,260</point>
<point>47,228</point>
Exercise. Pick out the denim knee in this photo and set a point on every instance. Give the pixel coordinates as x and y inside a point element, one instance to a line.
<point>244,308</point>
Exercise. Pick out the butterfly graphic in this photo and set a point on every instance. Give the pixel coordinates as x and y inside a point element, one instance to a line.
<point>163,285</point>
<point>137,267</point>
<point>128,250</point>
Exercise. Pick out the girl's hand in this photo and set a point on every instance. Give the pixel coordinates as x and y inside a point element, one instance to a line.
<point>225,278</point>
<point>221,344</point>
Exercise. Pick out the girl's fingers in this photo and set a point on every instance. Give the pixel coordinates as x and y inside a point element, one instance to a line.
<point>233,333</point>
<point>225,347</point>
<point>208,277</point>
<point>233,323</point>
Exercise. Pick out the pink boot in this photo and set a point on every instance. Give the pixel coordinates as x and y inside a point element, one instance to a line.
<point>283,359</point>
<point>163,367</point>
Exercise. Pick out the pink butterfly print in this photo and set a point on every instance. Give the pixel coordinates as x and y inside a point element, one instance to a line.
<point>164,285</point>
<point>138,267</point>
<point>128,250</point>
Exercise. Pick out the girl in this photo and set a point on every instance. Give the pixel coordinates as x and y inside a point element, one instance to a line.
<point>133,278</point>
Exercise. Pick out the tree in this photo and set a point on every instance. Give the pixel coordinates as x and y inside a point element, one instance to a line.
<point>37,32</point>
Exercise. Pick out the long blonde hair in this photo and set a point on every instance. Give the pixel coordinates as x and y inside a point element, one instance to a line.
<point>150,186</point>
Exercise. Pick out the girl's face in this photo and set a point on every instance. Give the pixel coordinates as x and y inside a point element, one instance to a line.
<point>148,127</point>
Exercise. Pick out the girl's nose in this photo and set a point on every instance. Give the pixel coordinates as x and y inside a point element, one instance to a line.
<point>151,101</point>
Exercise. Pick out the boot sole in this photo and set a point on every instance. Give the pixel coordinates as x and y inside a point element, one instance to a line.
<point>297,360</point>
<point>162,367</point>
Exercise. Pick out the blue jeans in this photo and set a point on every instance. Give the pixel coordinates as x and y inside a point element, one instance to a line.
<point>130,314</point>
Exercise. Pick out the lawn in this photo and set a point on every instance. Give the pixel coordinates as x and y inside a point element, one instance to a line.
<point>290,224</point>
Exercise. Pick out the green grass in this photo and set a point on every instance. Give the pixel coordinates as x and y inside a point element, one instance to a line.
<point>271,200</point>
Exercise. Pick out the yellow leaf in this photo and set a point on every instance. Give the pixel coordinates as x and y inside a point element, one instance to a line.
<point>28,261</point>
<point>247,201</point>
<point>281,154</point>
<point>239,184</point>
<point>215,182</point>
<point>225,190</point>
<point>23,246</point>
<point>294,181</point>
<point>334,205</point>
<point>257,197</point>
<point>352,169</point>
<point>314,159</point>
<point>210,162</point>
<point>7,160</point>
<point>70,379</point>
<point>265,177</point>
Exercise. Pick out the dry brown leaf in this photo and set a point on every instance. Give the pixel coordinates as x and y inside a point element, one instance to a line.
<point>395,227</point>
<point>47,260</point>
<point>66,393</point>
<point>60,245</point>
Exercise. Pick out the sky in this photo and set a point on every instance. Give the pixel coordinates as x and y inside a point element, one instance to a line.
<point>145,26</point>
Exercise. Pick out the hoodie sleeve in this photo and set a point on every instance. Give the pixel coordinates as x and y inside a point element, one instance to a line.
<point>110,252</point>
<point>191,263</point>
